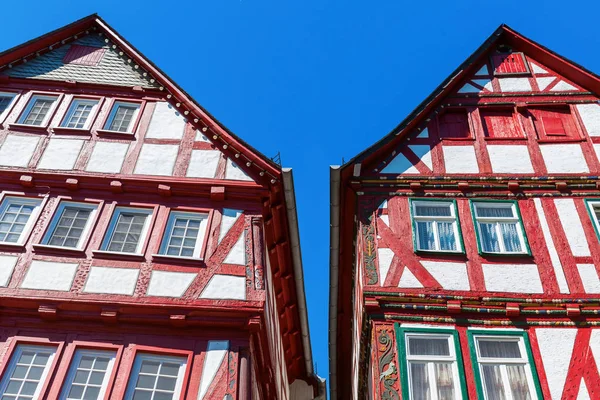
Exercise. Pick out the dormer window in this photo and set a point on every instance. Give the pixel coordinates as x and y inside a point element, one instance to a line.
<point>509,64</point>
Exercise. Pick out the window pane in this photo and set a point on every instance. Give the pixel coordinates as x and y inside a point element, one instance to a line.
<point>499,348</point>
<point>419,381</point>
<point>79,114</point>
<point>427,346</point>
<point>182,238</point>
<point>447,238</point>
<point>157,379</point>
<point>38,111</point>
<point>4,103</point>
<point>492,382</point>
<point>69,227</point>
<point>26,373</point>
<point>422,210</point>
<point>510,236</point>
<point>445,381</point>
<point>489,238</point>
<point>425,232</point>
<point>495,212</point>
<point>13,219</point>
<point>517,378</point>
<point>123,117</point>
<point>127,232</point>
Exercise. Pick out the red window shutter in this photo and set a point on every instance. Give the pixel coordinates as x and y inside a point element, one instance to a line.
<point>510,63</point>
<point>84,55</point>
<point>554,123</point>
<point>500,124</point>
<point>455,125</point>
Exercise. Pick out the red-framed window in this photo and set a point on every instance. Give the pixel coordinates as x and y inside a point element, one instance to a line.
<point>454,124</point>
<point>509,64</point>
<point>80,115</point>
<point>501,123</point>
<point>554,123</point>
<point>122,117</point>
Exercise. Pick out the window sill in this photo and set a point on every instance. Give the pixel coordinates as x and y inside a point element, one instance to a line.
<point>12,247</point>
<point>62,130</point>
<point>115,134</point>
<point>49,249</point>
<point>117,255</point>
<point>31,128</point>
<point>505,139</point>
<point>177,259</point>
<point>440,252</point>
<point>511,255</point>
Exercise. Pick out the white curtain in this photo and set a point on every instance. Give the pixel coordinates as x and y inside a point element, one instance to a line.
<point>510,236</point>
<point>518,382</point>
<point>428,346</point>
<point>419,381</point>
<point>446,232</point>
<point>489,238</point>
<point>432,211</point>
<point>426,240</point>
<point>492,381</point>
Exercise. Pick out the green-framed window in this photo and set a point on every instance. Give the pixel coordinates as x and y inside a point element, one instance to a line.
<point>499,227</point>
<point>435,225</point>
<point>503,363</point>
<point>431,363</point>
<point>593,207</point>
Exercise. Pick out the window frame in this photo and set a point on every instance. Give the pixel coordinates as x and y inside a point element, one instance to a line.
<point>524,344</point>
<point>72,370</point>
<point>15,97</point>
<point>26,233</point>
<point>20,122</point>
<point>457,231</point>
<point>200,246</point>
<point>73,101</point>
<point>540,130</point>
<point>589,206</point>
<point>63,202</point>
<point>521,228</point>
<point>111,111</point>
<point>144,236</point>
<point>402,333</point>
<point>453,110</point>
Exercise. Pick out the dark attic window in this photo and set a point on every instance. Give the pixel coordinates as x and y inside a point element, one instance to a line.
<point>454,124</point>
<point>509,63</point>
<point>84,55</point>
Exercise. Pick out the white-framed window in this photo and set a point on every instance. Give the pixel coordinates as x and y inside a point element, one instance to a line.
<point>26,372</point>
<point>499,227</point>
<point>504,368</point>
<point>89,374</point>
<point>184,234</point>
<point>80,113</point>
<point>432,366</point>
<point>70,225</point>
<point>17,216</point>
<point>6,101</point>
<point>127,230</point>
<point>156,377</point>
<point>38,110</point>
<point>435,225</point>
<point>122,117</point>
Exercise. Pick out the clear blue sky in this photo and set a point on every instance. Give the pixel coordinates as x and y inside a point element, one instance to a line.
<point>317,80</point>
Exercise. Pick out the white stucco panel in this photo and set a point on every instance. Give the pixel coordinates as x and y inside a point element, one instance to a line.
<point>228,218</point>
<point>200,137</point>
<point>595,345</point>
<point>451,275</point>
<point>237,254</point>
<point>563,86</point>
<point>215,354</point>
<point>537,69</point>
<point>384,259</point>
<point>564,158</point>
<point>544,81</point>
<point>234,172</point>
<point>512,278</point>
<point>571,224</point>
<point>485,83</point>
<point>107,157</point>
<point>400,165</point>
<point>203,163</point>
<point>424,154</point>
<point>510,159</point>
<point>514,84</point>
<point>156,159</point>
<point>590,115</point>
<point>556,348</point>
<point>110,280</point>
<point>385,219</point>
<point>409,280</point>
<point>225,287</point>
<point>589,278</point>
<point>583,394</point>
<point>169,284</point>
<point>16,151</point>
<point>166,123</point>
<point>49,275</point>
<point>7,265</point>
<point>460,160</point>
<point>60,154</point>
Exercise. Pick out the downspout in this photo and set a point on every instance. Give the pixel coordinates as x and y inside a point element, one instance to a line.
<point>292,216</point>
<point>334,259</point>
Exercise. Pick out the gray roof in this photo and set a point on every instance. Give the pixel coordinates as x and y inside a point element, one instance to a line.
<point>113,69</point>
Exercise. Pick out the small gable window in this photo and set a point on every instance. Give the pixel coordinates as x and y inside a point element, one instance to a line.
<point>501,123</point>
<point>38,110</point>
<point>6,100</point>
<point>84,55</point>
<point>554,123</point>
<point>122,117</point>
<point>80,114</point>
<point>509,64</point>
<point>454,124</point>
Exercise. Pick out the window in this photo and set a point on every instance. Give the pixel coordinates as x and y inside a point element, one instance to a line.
<point>38,110</point>
<point>499,228</point>
<point>156,377</point>
<point>500,123</point>
<point>80,114</point>
<point>26,372</point>
<point>127,230</point>
<point>454,124</point>
<point>436,226</point>
<point>6,100</point>
<point>70,225</point>
<point>509,64</point>
<point>554,123</point>
<point>17,215</point>
<point>503,366</point>
<point>184,234</point>
<point>88,375</point>
<point>432,359</point>
<point>122,117</point>
<point>593,207</point>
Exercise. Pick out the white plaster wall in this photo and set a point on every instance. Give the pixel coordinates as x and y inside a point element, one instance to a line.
<point>60,154</point>
<point>510,159</point>
<point>384,258</point>
<point>583,394</point>
<point>452,276</point>
<point>589,278</point>
<point>107,157</point>
<point>16,151</point>
<point>460,160</point>
<point>424,154</point>
<point>544,81</point>
<point>514,84</point>
<point>563,86</point>
<point>200,137</point>
<point>512,278</point>
<point>537,69</point>
<point>169,284</point>
<point>203,163</point>
<point>49,275</point>
<point>110,280</point>
<point>237,254</point>
<point>234,172</point>
<point>385,219</point>
<point>556,348</point>
<point>156,159</point>
<point>590,115</point>
<point>301,390</point>
<point>227,220</point>
<point>409,280</point>
<point>7,265</point>
<point>569,219</point>
<point>225,287</point>
<point>166,123</point>
<point>400,165</point>
<point>564,158</point>
<point>215,354</point>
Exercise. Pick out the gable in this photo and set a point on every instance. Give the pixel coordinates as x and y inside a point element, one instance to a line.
<point>77,61</point>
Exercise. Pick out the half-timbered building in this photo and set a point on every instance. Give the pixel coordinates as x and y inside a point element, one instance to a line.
<point>146,252</point>
<point>465,252</point>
